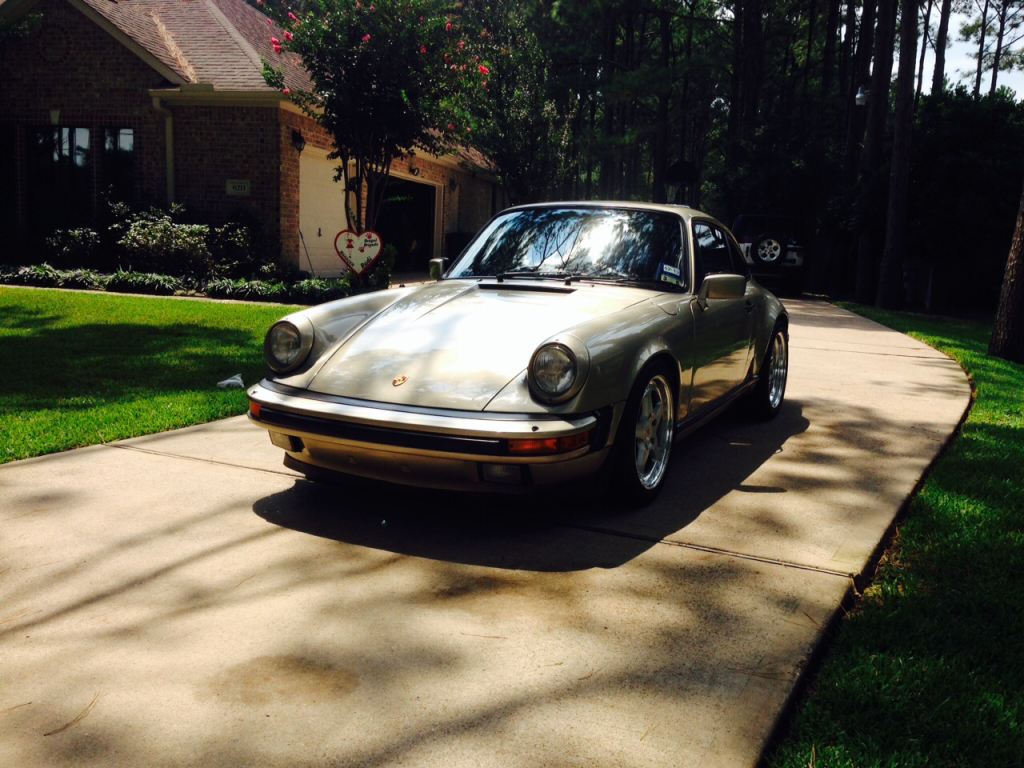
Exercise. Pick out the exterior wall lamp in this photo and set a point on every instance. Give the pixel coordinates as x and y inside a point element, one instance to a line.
<point>298,141</point>
<point>862,96</point>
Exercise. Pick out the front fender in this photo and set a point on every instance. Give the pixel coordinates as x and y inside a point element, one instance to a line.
<point>619,346</point>
<point>333,322</point>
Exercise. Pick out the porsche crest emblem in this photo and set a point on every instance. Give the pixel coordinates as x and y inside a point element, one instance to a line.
<point>399,381</point>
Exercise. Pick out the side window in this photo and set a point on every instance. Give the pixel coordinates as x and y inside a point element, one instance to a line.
<point>713,255</point>
<point>739,264</point>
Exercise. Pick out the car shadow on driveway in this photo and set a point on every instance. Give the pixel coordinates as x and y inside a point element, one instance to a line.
<point>570,529</point>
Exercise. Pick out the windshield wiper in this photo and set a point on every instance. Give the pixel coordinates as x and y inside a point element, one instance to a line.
<point>532,275</point>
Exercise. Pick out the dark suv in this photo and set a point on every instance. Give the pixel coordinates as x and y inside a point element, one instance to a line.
<point>775,248</point>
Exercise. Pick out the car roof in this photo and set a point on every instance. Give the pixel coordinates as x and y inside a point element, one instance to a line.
<point>680,210</point>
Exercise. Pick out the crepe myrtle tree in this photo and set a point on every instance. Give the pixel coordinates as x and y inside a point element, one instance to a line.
<point>389,77</point>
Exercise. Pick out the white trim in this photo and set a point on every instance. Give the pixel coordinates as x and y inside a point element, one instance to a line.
<point>439,187</point>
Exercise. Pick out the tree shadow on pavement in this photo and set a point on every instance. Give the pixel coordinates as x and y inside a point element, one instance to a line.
<point>569,529</point>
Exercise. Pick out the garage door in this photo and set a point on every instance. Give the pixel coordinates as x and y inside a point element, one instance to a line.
<point>321,214</point>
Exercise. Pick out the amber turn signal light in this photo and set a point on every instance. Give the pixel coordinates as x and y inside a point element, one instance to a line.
<point>550,445</point>
<point>254,410</point>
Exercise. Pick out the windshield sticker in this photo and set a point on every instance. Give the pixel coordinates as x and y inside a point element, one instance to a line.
<point>669,274</point>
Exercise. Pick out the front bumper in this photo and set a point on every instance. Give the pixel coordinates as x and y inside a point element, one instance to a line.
<point>425,447</point>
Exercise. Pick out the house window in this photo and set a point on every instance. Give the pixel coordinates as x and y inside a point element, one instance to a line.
<point>119,163</point>
<point>59,178</point>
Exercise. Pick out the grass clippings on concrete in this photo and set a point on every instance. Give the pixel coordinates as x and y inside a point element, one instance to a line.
<point>80,368</point>
<point>928,668</point>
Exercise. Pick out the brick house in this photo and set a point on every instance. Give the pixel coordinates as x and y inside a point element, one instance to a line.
<point>164,101</point>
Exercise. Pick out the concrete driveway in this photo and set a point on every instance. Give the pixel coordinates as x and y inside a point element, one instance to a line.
<point>183,600</point>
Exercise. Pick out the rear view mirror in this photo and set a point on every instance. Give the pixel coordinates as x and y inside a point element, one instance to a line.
<point>437,268</point>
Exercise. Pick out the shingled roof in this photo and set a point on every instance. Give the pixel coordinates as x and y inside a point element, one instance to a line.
<point>211,42</point>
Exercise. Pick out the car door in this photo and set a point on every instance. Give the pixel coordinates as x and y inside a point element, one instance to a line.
<point>723,329</point>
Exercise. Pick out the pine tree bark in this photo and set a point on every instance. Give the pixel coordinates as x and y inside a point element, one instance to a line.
<point>890,282</point>
<point>981,49</point>
<point>924,50</point>
<point>1002,11</point>
<point>871,158</point>
<point>939,72</point>
<point>1008,332</point>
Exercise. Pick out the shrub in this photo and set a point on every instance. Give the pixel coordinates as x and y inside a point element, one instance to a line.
<point>45,276</point>
<point>153,241</point>
<point>87,279</point>
<point>36,274</point>
<point>247,290</point>
<point>140,282</point>
<point>317,290</point>
<point>73,248</point>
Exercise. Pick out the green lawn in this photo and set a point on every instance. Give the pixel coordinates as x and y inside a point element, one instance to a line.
<point>83,368</point>
<point>928,669</point>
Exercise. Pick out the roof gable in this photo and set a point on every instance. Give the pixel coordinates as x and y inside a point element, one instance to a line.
<point>214,43</point>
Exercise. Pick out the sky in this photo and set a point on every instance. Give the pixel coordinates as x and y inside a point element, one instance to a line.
<point>959,60</point>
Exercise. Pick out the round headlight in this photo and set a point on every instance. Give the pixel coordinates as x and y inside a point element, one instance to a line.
<point>553,370</point>
<point>286,347</point>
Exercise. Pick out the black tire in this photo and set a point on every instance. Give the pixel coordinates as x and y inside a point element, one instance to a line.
<point>770,390</point>
<point>643,444</point>
<point>769,250</point>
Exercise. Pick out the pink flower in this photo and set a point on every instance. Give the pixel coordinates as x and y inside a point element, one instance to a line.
<point>275,41</point>
<point>372,8</point>
<point>423,49</point>
<point>448,26</point>
<point>421,18</point>
<point>366,39</point>
<point>288,36</point>
<point>269,23</point>
<point>462,44</point>
<point>468,129</point>
<point>292,16</point>
<point>277,49</point>
<point>451,127</point>
<point>358,5</point>
<point>484,70</point>
<point>286,91</point>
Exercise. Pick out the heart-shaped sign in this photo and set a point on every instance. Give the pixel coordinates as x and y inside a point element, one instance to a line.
<point>358,251</point>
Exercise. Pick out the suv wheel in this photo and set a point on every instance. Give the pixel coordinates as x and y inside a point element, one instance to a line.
<point>768,249</point>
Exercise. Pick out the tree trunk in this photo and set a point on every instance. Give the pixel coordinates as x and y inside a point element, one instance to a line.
<point>606,174</point>
<point>828,57</point>
<point>812,18</point>
<point>660,151</point>
<point>890,283</point>
<point>939,73</point>
<point>871,157</point>
<point>1008,332</point>
<point>1003,10</point>
<point>981,49</point>
<point>924,50</point>
<point>846,55</point>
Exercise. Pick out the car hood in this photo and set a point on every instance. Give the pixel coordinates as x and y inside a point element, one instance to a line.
<point>456,344</point>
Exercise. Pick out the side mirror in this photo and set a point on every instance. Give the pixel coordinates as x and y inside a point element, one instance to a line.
<point>437,268</point>
<point>721,287</point>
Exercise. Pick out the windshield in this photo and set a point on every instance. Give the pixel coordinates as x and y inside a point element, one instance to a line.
<point>585,243</point>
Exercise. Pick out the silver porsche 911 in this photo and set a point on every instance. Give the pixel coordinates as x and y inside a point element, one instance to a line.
<point>567,339</point>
